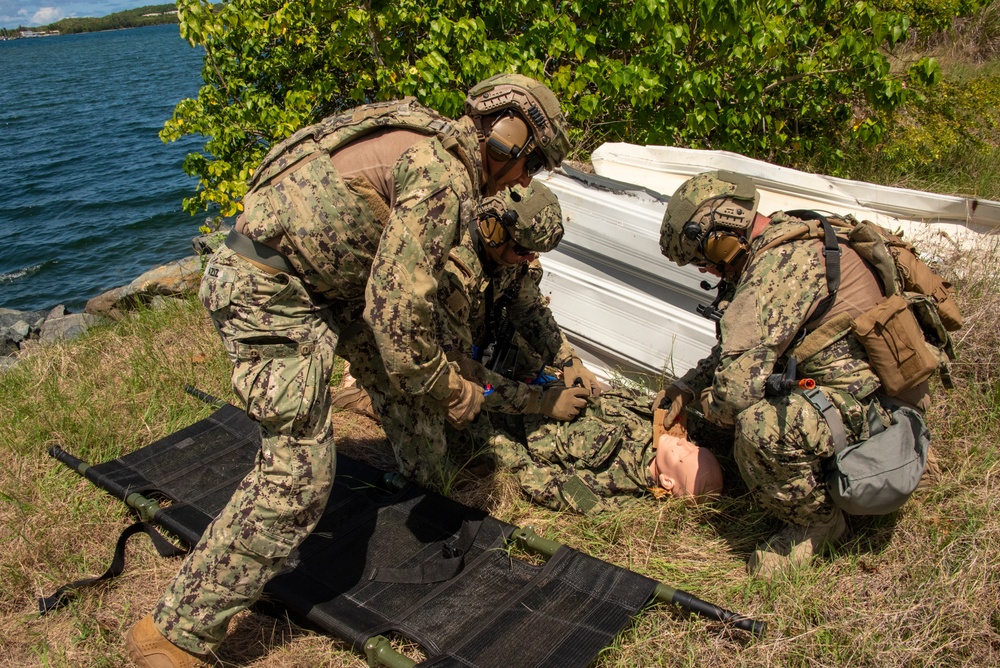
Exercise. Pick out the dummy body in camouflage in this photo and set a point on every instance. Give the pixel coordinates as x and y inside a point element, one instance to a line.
<point>358,248</point>
<point>781,442</point>
<point>599,461</point>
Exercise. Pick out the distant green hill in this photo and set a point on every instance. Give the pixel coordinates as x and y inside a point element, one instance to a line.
<point>150,15</point>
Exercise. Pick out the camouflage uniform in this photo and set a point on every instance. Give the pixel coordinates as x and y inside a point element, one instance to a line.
<point>596,462</point>
<point>428,450</point>
<point>781,443</point>
<point>354,256</point>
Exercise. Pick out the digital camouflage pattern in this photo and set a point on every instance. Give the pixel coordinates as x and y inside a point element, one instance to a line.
<point>282,352</point>
<point>597,462</point>
<point>428,450</point>
<point>781,442</point>
<point>463,299</point>
<point>281,332</point>
<point>539,225</point>
<point>344,253</point>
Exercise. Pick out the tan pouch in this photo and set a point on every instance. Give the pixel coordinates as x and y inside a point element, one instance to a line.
<point>918,277</point>
<point>895,345</point>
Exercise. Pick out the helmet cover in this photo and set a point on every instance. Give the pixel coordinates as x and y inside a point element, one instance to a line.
<point>533,101</point>
<point>725,201</point>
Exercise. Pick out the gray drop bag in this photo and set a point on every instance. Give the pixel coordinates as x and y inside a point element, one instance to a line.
<point>877,476</point>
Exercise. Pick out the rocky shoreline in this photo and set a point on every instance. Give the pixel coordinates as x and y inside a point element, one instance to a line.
<point>22,330</point>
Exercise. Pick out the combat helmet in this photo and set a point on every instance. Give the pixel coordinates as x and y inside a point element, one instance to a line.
<point>708,220</point>
<point>530,217</point>
<point>535,104</point>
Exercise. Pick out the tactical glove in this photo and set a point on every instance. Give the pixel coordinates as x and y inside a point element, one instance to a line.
<point>575,373</point>
<point>668,411</point>
<point>558,403</point>
<point>464,403</point>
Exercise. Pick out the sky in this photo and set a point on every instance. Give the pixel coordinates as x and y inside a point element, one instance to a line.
<point>28,13</point>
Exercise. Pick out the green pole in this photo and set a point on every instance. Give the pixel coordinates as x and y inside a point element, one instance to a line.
<point>527,539</point>
<point>379,652</point>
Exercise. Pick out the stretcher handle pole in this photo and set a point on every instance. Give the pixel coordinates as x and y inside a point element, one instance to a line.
<point>204,396</point>
<point>379,652</point>
<point>69,460</point>
<point>529,540</point>
<point>146,507</point>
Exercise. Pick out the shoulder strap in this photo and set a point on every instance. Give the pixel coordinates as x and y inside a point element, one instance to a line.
<point>831,253</point>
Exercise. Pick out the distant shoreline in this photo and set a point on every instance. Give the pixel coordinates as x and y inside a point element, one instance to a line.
<point>142,17</point>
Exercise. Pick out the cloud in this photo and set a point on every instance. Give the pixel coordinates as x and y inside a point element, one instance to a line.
<point>46,15</point>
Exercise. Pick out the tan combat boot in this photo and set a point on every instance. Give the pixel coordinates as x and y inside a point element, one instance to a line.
<point>794,546</point>
<point>149,649</point>
<point>356,400</point>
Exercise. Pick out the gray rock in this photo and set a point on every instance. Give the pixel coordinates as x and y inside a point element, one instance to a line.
<point>66,327</point>
<point>9,316</point>
<point>17,332</point>
<point>104,304</point>
<point>175,278</point>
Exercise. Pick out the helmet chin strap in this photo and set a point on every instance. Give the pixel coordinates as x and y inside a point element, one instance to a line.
<point>491,180</point>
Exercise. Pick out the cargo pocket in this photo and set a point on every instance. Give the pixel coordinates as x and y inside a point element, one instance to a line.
<point>216,289</point>
<point>277,377</point>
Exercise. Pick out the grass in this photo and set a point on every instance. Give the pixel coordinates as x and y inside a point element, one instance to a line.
<point>919,588</point>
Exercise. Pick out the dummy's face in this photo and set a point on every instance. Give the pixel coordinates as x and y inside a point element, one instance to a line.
<point>684,470</point>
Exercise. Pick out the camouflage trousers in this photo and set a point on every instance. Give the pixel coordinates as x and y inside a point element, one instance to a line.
<point>282,348</point>
<point>428,450</point>
<point>781,447</point>
<point>599,461</point>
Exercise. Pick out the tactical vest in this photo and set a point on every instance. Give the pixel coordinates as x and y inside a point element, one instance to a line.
<point>906,335</point>
<point>330,134</point>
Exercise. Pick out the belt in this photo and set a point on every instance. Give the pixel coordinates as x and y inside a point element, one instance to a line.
<point>259,255</point>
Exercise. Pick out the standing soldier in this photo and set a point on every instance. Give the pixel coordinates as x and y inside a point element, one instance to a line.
<point>490,286</point>
<point>350,218</point>
<point>795,371</point>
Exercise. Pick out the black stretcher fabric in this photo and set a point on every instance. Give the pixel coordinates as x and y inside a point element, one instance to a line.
<point>497,611</point>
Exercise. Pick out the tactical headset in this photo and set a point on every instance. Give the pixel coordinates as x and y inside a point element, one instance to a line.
<point>511,138</point>
<point>724,242</point>
<point>493,228</point>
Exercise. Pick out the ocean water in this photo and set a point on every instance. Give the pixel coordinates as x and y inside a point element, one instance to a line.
<point>90,198</point>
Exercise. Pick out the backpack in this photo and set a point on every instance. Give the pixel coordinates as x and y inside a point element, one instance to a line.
<point>907,334</point>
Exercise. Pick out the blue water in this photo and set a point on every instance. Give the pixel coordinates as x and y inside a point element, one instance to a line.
<point>90,198</point>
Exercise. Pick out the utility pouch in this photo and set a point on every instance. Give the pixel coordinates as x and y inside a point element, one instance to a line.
<point>918,277</point>
<point>895,345</point>
<point>877,476</point>
<point>929,318</point>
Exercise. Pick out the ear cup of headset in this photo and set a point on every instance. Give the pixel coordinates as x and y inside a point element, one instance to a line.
<point>722,248</point>
<point>492,231</point>
<point>508,137</point>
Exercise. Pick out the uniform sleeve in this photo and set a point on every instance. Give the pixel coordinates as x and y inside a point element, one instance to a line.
<point>769,306</point>
<point>433,202</point>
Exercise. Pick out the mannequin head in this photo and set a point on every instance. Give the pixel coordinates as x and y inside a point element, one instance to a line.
<point>685,470</point>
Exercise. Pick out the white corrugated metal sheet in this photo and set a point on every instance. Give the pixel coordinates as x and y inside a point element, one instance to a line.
<point>628,309</point>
